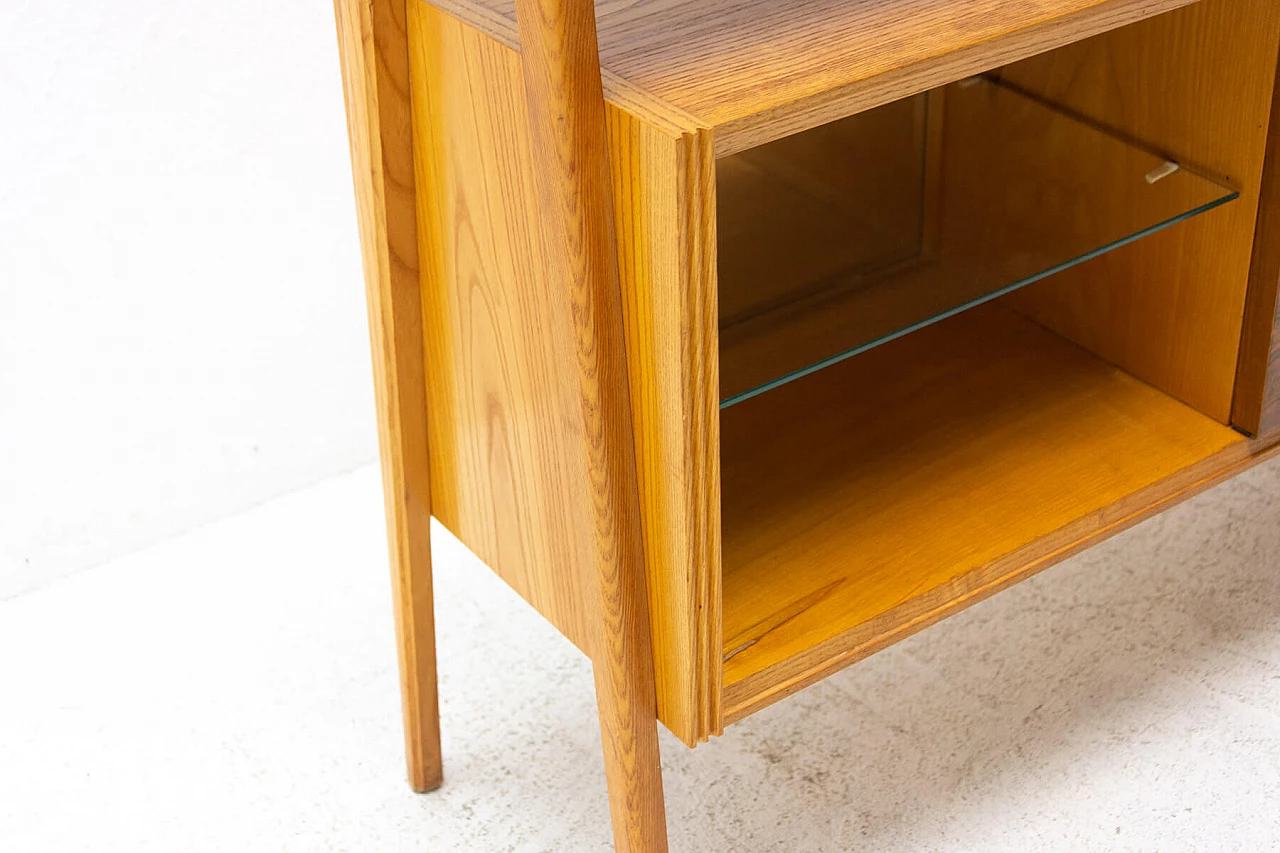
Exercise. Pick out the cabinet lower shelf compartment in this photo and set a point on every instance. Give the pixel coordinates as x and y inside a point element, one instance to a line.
<point>867,500</point>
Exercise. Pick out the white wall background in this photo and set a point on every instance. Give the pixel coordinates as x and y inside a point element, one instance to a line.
<point>182,327</point>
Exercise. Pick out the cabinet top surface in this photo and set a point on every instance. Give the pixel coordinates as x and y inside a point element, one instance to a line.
<point>737,65</point>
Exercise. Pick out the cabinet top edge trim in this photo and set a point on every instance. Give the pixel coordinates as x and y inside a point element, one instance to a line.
<point>757,70</point>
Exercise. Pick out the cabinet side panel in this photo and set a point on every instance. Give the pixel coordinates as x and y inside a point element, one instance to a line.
<point>508,472</point>
<point>1194,85</point>
<point>1257,402</point>
<point>664,198</point>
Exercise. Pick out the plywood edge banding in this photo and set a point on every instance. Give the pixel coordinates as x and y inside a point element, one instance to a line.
<point>665,194</point>
<point>702,405</point>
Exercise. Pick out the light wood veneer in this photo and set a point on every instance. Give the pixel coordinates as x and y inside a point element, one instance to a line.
<point>1168,308</point>
<point>375,64</point>
<point>903,483</point>
<point>510,476</point>
<point>543,252</point>
<point>1256,406</point>
<point>756,71</point>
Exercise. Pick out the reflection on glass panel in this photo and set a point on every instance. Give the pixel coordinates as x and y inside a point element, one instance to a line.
<point>840,238</point>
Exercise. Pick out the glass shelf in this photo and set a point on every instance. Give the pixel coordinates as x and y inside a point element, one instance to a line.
<point>847,236</point>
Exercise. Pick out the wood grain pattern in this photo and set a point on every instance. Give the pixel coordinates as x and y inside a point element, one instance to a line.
<point>508,472</point>
<point>664,193</point>
<point>1256,406</point>
<point>375,76</point>
<point>757,71</point>
<point>879,492</point>
<point>571,368</point>
<point>759,691</point>
<point>1196,86</point>
<point>502,341</point>
<point>505,429</point>
<point>560,61</point>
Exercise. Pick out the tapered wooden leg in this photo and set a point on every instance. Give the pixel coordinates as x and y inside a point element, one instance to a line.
<point>416,641</point>
<point>629,730</point>
<point>561,68</point>
<point>374,47</point>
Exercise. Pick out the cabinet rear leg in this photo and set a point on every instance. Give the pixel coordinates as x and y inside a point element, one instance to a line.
<point>373,43</point>
<point>416,642</point>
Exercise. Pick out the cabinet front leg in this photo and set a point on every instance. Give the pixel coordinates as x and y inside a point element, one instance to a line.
<point>561,69</point>
<point>629,730</point>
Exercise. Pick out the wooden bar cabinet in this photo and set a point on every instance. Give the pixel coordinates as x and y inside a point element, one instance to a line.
<point>743,338</point>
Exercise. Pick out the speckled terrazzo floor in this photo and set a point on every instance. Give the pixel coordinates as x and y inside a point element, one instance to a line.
<point>234,689</point>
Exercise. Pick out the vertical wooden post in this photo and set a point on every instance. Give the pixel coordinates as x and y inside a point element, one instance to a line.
<point>561,67</point>
<point>375,73</point>
<point>1256,406</point>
